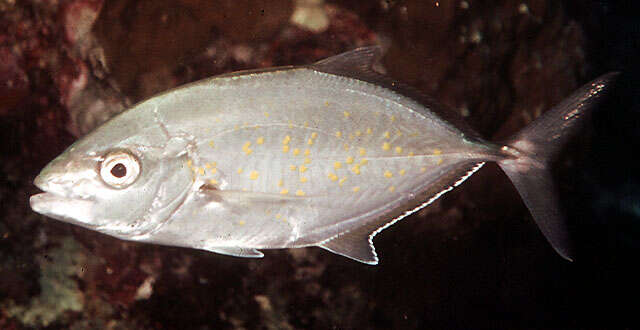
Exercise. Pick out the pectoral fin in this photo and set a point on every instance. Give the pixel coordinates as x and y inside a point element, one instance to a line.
<point>242,197</point>
<point>237,252</point>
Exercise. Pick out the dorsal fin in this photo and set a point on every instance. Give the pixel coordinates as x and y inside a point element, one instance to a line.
<point>358,64</point>
<point>353,63</point>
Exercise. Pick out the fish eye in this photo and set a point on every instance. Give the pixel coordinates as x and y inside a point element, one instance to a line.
<point>119,169</point>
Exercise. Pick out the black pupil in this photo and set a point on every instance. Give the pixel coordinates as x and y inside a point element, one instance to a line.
<point>119,170</point>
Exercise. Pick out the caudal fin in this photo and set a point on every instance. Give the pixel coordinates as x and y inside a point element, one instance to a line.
<point>536,146</point>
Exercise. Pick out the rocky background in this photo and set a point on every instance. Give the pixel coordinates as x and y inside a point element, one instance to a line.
<point>474,259</point>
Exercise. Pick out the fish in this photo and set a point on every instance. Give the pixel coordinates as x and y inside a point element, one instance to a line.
<point>322,155</point>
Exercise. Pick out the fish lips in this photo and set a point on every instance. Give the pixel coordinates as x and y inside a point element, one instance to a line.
<point>62,208</point>
<point>56,204</point>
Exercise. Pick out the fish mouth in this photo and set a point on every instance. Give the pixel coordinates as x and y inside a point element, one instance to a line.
<point>55,203</point>
<point>45,201</point>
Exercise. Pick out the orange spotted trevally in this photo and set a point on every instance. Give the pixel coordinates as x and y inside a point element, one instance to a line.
<point>326,155</point>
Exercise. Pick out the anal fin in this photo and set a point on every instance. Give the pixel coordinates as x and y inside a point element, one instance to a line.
<point>357,243</point>
<point>354,245</point>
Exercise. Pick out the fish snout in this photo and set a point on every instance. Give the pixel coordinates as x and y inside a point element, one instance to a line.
<point>63,178</point>
<point>49,182</point>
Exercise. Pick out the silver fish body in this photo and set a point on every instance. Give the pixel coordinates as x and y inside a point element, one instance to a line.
<point>323,155</point>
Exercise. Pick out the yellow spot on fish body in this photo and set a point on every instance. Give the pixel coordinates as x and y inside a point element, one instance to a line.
<point>356,189</point>
<point>369,130</point>
<point>393,118</point>
<point>303,168</point>
<point>356,169</point>
<point>386,135</point>
<point>201,170</point>
<point>392,189</point>
<point>189,163</point>
<point>398,133</point>
<point>303,179</point>
<point>363,151</point>
<point>333,177</point>
<point>246,145</point>
<point>260,140</point>
<point>310,142</point>
<point>284,191</point>
<point>423,169</point>
<point>213,170</point>
<point>296,151</point>
<point>386,146</point>
<point>285,148</point>
<point>346,114</point>
<point>242,222</point>
<point>280,183</point>
<point>293,167</point>
<point>398,150</point>
<point>299,193</point>
<point>307,152</point>
<point>346,147</point>
<point>314,135</point>
<point>253,175</point>
<point>290,124</point>
<point>341,182</point>
<point>266,114</point>
<point>437,151</point>
<point>337,165</point>
<point>402,172</point>
<point>213,181</point>
<point>207,165</point>
<point>326,103</point>
<point>338,134</point>
<point>349,160</point>
<point>440,161</point>
<point>358,133</point>
<point>364,161</point>
<point>306,124</point>
<point>248,152</point>
<point>388,174</point>
<point>307,160</point>
<point>211,144</point>
<point>240,170</point>
<point>214,164</point>
<point>286,139</point>
<point>410,153</point>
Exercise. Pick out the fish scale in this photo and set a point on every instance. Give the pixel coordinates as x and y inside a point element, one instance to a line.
<point>323,155</point>
<point>351,122</point>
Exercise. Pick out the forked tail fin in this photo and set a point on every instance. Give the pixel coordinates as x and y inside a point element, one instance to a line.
<point>536,146</point>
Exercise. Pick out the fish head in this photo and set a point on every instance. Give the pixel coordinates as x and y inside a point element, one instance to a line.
<point>122,180</point>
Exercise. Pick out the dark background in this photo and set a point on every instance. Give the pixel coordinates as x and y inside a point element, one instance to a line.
<point>473,259</point>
